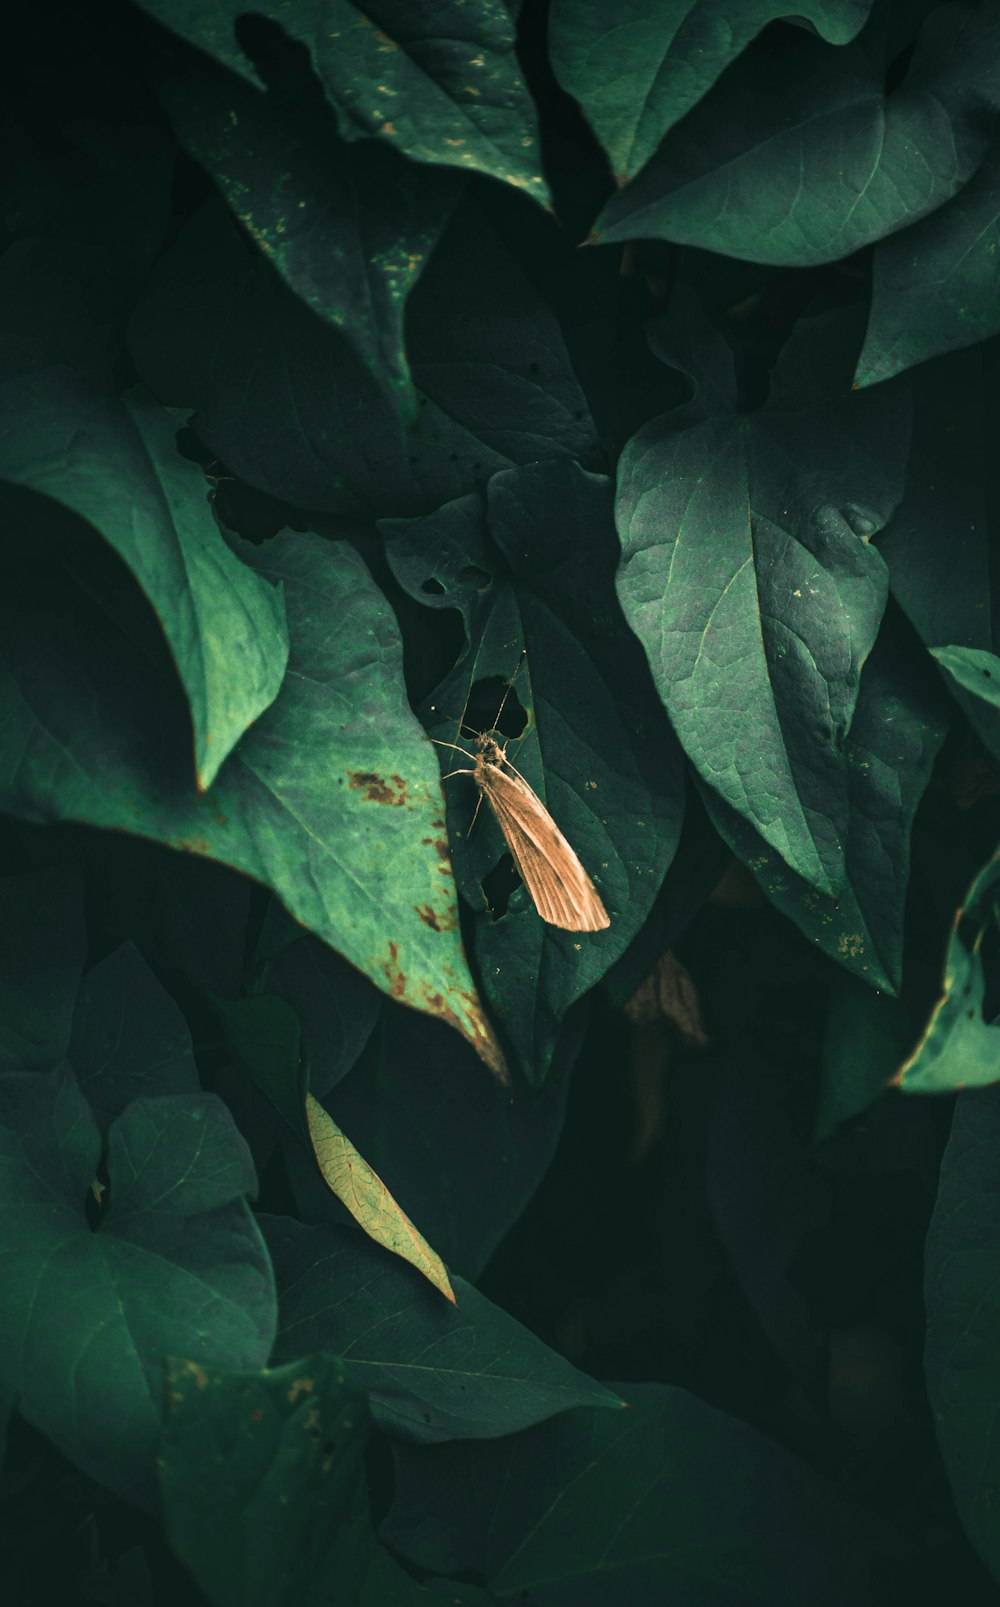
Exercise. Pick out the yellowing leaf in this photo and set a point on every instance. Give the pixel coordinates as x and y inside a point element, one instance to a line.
<point>365,1195</point>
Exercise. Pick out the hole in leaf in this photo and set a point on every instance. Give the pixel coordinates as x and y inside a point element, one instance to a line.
<point>432,587</point>
<point>498,885</point>
<point>472,575</point>
<point>488,710</point>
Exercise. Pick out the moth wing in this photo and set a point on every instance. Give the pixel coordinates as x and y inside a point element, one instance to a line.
<point>563,893</point>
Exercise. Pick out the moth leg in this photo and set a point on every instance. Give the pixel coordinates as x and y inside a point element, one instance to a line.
<point>479,805</point>
<point>458,773</point>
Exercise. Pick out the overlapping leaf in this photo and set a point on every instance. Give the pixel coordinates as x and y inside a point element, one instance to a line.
<point>333,798</point>
<point>312,425</point>
<point>115,463</point>
<point>637,69</point>
<point>348,226</point>
<point>973,676</point>
<point>433,1371</point>
<point>129,1040</point>
<point>410,1105</point>
<point>530,568</point>
<point>177,1264</point>
<point>800,156</point>
<point>438,81</point>
<point>898,726</point>
<point>960,1047</point>
<point>43,946</point>
<point>936,286</point>
<point>748,575</point>
<point>962,1356</point>
<point>670,1499</point>
<point>938,544</point>
<point>263,1483</point>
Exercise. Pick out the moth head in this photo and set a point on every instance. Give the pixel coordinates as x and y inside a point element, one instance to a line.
<point>490,750</point>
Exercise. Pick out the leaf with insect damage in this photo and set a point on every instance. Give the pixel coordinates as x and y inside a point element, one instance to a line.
<point>529,564</point>
<point>332,799</point>
<point>313,426</point>
<point>439,81</point>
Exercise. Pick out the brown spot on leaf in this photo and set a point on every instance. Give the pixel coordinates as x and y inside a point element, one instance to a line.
<point>379,789</point>
<point>444,921</point>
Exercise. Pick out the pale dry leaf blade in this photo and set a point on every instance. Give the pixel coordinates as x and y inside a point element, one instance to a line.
<point>359,1188</point>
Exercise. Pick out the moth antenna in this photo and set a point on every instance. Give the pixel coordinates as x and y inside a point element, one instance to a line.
<point>509,687</point>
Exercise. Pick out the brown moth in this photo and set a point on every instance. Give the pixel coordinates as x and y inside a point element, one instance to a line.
<point>563,893</point>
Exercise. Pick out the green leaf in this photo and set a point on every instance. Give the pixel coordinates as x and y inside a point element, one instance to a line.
<point>974,677</point>
<point>530,567</point>
<point>637,69</point>
<point>963,1317</point>
<point>312,426</point>
<point>799,156</point>
<point>748,575</point>
<point>864,1045</point>
<point>332,799</point>
<point>337,1007</point>
<point>670,1500</point>
<point>116,465</point>
<point>899,724</point>
<point>440,81</point>
<point>265,1034</point>
<point>433,1371</point>
<point>130,1040</point>
<point>43,946</point>
<point>410,1105</point>
<point>360,1189</point>
<point>348,226</point>
<point>262,1479</point>
<point>938,544</point>
<point>177,1264</point>
<point>935,286</point>
<point>959,1047</point>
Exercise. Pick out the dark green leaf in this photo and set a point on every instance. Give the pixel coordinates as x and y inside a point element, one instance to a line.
<point>312,426</point>
<point>974,677</point>
<point>798,156</point>
<point>637,69</point>
<point>460,1156</point>
<point>864,1046</point>
<point>748,575</point>
<point>43,946</point>
<point>433,1372</point>
<point>936,285</point>
<point>332,799</point>
<point>670,1500</point>
<point>938,544</point>
<point>899,724</point>
<point>262,1480</point>
<point>178,1264</point>
<point>348,226</point>
<point>337,1007</point>
<point>962,1356</point>
<point>440,81</point>
<point>960,1048</point>
<point>129,1038</point>
<point>530,567</point>
<point>116,464</point>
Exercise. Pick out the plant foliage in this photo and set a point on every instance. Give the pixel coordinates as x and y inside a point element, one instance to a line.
<point>366,1238</point>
